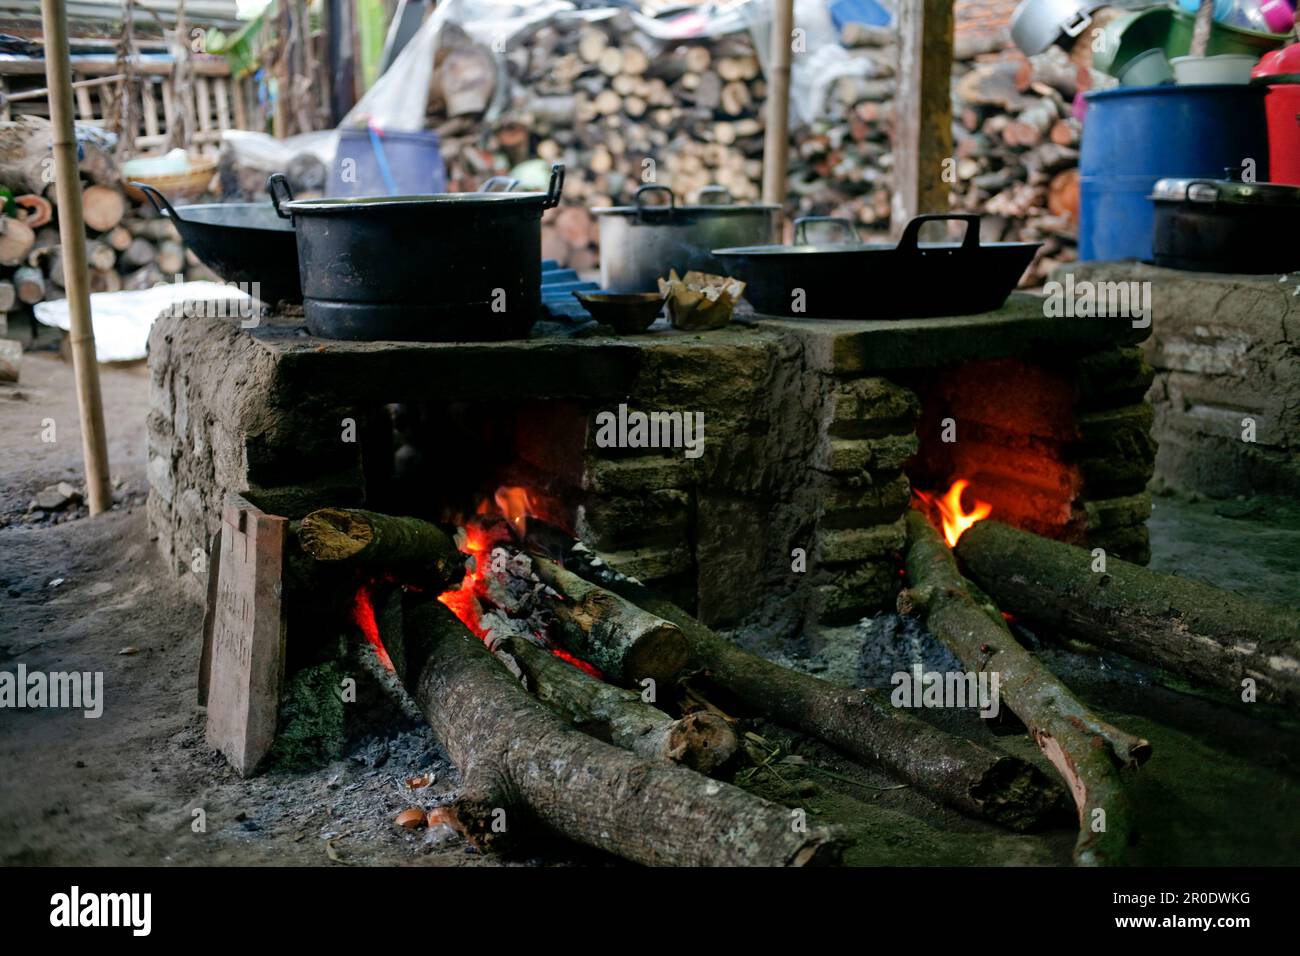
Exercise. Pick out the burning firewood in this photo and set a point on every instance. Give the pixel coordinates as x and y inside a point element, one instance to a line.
<point>624,641</point>
<point>701,741</point>
<point>1207,634</point>
<point>523,766</point>
<point>957,772</point>
<point>341,534</point>
<point>1086,751</point>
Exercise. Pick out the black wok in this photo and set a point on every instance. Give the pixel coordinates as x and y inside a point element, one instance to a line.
<point>243,242</point>
<point>858,280</point>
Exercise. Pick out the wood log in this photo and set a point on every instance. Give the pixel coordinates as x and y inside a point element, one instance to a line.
<point>171,258</point>
<point>1086,751</point>
<point>120,238</point>
<point>341,534</point>
<point>16,241</point>
<point>8,296</point>
<point>103,207</point>
<point>702,741</point>
<point>100,255</point>
<point>624,641</point>
<point>140,252</point>
<point>1195,630</point>
<point>523,767</point>
<point>105,280</point>
<point>959,773</point>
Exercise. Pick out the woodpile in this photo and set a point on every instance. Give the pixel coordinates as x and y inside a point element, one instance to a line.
<point>127,247</point>
<point>620,109</point>
<point>1017,152</point>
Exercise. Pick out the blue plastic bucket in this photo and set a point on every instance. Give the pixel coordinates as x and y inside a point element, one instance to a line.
<point>387,164</point>
<point>1133,136</point>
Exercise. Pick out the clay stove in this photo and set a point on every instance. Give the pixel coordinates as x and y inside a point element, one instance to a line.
<point>815,435</point>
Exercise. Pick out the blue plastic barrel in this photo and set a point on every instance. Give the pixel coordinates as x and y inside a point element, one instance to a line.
<point>1133,136</point>
<point>389,163</point>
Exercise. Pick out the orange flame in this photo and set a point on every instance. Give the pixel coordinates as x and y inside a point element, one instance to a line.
<point>363,613</point>
<point>956,519</point>
<point>515,505</point>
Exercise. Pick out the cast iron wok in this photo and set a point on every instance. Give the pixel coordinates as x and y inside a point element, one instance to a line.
<point>857,280</point>
<point>240,242</point>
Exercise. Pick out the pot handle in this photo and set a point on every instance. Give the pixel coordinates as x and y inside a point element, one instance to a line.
<point>505,182</point>
<point>158,201</point>
<point>843,222</point>
<point>275,185</point>
<point>556,187</point>
<point>969,243</point>
<point>642,208</point>
<point>724,194</point>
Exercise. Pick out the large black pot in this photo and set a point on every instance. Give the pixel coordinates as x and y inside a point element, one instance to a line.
<point>242,242</point>
<point>857,280</point>
<point>1226,225</point>
<point>450,267</point>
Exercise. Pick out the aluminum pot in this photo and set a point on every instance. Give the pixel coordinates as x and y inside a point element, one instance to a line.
<point>445,267</point>
<point>1225,225</point>
<point>641,242</point>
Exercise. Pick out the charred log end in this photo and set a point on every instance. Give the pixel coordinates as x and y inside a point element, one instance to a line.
<point>475,817</point>
<point>704,742</point>
<point>332,534</point>
<point>822,849</point>
<point>660,653</point>
<point>912,602</point>
<point>1017,795</point>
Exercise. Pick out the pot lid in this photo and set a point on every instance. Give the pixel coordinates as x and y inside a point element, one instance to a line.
<point>1225,191</point>
<point>1278,66</point>
<point>350,203</point>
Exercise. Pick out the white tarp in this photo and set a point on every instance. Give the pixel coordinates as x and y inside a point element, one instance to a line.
<point>123,319</point>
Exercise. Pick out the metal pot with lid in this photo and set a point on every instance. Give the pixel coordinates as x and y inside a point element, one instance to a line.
<point>643,241</point>
<point>443,267</point>
<point>1226,225</point>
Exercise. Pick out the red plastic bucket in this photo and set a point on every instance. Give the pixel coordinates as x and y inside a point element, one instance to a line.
<point>1282,109</point>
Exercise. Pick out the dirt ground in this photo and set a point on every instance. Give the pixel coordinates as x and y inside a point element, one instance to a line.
<point>138,785</point>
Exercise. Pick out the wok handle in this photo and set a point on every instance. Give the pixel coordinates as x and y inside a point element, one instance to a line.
<point>556,187</point>
<point>505,182</point>
<point>275,184</point>
<point>641,207</point>
<point>158,201</point>
<point>969,243</point>
<point>843,222</point>
<point>722,192</point>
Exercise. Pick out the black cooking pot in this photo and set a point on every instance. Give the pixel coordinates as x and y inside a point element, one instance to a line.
<point>448,267</point>
<point>857,280</point>
<point>243,242</point>
<point>1226,225</point>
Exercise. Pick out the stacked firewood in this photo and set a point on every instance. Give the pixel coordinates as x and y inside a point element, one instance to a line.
<point>1017,152</point>
<point>126,246</point>
<point>621,110</point>
<point>618,111</point>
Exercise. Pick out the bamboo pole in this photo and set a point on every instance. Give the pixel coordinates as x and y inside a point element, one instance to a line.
<point>72,231</point>
<point>776,143</point>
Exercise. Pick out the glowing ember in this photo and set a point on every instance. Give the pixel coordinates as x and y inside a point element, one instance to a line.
<point>363,613</point>
<point>956,519</point>
<point>479,536</point>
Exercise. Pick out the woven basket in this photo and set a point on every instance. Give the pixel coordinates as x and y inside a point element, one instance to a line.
<point>177,187</point>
